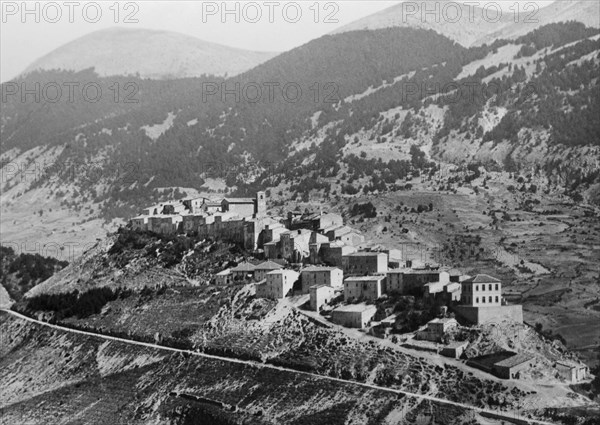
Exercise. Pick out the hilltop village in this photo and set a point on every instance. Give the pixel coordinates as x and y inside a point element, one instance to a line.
<point>315,256</point>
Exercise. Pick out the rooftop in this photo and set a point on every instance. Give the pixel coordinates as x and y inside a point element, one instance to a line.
<point>239,200</point>
<point>224,272</point>
<point>356,308</point>
<point>244,267</point>
<point>515,360</point>
<point>412,271</point>
<point>482,278</point>
<point>365,254</point>
<point>363,278</point>
<point>452,287</point>
<point>306,217</point>
<point>322,285</point>
<point>450,271</point>
<point>282,271</point>
<point>319,269</point>
<point>342,230</point>
<point>297,232</point>
<point>268,265</point>
<point>443,320</point>
<point>457,344</point>
<point>569,364</point>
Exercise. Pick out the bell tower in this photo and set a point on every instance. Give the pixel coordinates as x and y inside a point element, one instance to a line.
<point>261,204</point>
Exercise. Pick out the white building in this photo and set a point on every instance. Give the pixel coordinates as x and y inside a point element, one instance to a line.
<point>571,372</point>
<point>363,287</point>
<point>436,329</point>
<point>313,275</point>
<point>320,295</point>
<point>481,291</point>
<point>223,278</point>
<point>278,284</point>
<point>353,315</point>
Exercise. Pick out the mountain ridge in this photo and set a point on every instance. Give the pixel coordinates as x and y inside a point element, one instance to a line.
<point>155,54</point>
<point>473,26</point>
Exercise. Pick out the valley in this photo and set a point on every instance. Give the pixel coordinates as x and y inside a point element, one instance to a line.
<point>413,239</point>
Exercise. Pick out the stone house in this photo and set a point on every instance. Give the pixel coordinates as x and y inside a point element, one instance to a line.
<point>224,277</point>
<point>436,329</point>
<point>316,275</point>
<point>261,270</point>
<point>320,295</point>
<point>243,270</point>
<point>353,315</point>
<point>277,284</point>
<point>365,263</point>
<point>363,287</point>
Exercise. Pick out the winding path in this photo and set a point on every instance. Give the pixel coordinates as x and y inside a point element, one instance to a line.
<point>495,413</point>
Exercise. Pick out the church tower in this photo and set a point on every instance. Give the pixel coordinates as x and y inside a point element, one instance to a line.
<point>261,204</point>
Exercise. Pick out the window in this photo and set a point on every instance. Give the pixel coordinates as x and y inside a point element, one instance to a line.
<point>483,300</point>
<point>496,298</point>
<point>476,288</point>
<point>490,287</point>
<point>477,299</point>
<point>496,286</point>
<point>490,299</point>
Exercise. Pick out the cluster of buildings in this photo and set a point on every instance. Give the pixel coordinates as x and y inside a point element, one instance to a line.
<point>237,220</point>
<point>365,277</point>
<point>299,238</point>
<point>334,262</point>
<point>316,254</point>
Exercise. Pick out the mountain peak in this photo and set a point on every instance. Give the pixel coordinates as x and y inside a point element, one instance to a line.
<point>472,26</point>
<point>152,53</point>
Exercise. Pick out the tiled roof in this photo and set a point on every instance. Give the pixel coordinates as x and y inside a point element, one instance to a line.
<point>244,267</point>
<point>297,232</point>
<point>281,271</point>
<point>319,269</point>
<point>482,278</point>
<point>411,271</point>
<point>364,278</point>
<point>515,360</point>
<point>239,200</point>
<point>457,344</point>
<point>443,320</point>
<point>358,308</point>
<point>321,285</point>
<point>452,286</point>
<point>268,265</point>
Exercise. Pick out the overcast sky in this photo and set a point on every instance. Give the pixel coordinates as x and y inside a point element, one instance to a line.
<point>23,40</point>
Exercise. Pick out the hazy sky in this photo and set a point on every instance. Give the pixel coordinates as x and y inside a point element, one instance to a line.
<point>23,40</point>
